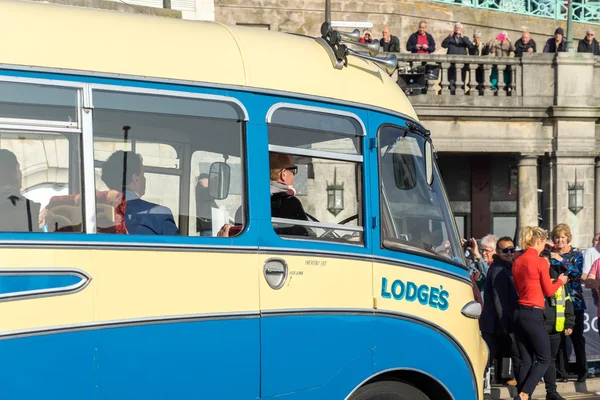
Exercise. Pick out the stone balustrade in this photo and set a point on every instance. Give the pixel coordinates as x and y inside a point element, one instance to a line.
<point>535,80</point>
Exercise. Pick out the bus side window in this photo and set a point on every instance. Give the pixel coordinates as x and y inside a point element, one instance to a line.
<point>316,174</point>
<point>41,163</point>
<point>157,150</point>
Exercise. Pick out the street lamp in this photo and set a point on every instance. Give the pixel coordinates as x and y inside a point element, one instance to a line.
<point>570,47</point>
<point>575,196</point>
<point>335,196</point>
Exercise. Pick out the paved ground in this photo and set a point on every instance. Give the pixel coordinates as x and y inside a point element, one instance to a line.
<point>571,390</point>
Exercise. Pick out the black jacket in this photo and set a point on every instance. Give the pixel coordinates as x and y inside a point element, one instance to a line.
<point>550,310</point>
<point>456,45</point>
<point>521,48</point>
<point>284,205</point>
<point>499,299</point>
<point>550,46</point>
<point>393,46</point>
<point>413,40</point>
<point>585,47</point>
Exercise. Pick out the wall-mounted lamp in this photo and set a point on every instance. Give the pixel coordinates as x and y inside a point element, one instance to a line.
<point>575,196</point>
<point>335,196</point>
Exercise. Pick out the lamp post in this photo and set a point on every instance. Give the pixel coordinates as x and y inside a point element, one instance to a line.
<point>570,47</point>
<point>335,196</point>
<point>328,11</point>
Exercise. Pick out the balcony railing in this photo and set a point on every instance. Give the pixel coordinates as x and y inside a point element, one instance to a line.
<point>533,80</point>
<point>587,11</point>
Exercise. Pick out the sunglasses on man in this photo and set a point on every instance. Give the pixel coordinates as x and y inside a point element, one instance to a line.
<point>507,250</point>
<point>292,169</point>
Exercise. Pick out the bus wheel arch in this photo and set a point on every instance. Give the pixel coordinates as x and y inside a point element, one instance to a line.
<point>400,380</point>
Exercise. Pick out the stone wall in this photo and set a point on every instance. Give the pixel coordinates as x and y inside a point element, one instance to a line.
<point>306,16</point>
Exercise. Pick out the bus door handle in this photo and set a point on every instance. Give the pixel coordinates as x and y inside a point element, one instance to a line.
<point>275,271</point>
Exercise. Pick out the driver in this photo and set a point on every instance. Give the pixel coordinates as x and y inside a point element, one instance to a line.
<point>284,203</point>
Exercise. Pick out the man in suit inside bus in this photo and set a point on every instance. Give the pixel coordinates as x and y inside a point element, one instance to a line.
<point>124,171</point>
<point>17,214</point>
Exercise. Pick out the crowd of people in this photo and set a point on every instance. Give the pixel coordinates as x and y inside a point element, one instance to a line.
<point>421,42</point>
<point>533,300</point>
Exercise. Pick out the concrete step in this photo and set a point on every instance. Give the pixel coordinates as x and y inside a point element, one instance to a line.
<point>592,385</point>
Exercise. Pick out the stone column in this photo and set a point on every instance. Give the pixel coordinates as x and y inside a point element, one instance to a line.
<point>528,194</point>
<point>597,197</point>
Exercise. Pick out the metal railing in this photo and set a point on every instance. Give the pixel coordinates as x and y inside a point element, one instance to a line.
<point>587,11</point>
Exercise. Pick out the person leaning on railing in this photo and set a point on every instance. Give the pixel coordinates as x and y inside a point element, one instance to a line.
<point>589,44</point>
<point>525,45</point>
<point>556,44</point>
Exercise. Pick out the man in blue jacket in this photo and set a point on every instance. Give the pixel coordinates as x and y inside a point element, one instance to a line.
<point>124,171</point>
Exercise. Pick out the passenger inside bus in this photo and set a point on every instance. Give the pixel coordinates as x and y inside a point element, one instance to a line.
<point>284,203</point>
<point>17,214</point>
<point>124,171</point>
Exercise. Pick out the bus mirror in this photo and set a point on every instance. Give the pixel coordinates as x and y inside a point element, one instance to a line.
<point>218,180</point>
<point>429,161</point>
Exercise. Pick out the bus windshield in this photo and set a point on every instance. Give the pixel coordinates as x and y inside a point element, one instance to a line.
<point>415,216</point>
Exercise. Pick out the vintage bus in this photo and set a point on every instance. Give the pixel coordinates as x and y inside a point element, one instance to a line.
<point>376,303</point>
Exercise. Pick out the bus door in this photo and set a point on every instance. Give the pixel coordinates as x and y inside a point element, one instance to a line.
<point>314,265</point>
<point>180,303</point>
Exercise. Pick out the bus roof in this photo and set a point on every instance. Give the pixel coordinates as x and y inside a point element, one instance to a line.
<point>81,39</point>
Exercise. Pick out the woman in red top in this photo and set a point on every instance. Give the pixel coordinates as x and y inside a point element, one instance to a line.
<point>533,283</point>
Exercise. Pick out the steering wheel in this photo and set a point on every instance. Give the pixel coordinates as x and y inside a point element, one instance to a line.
<point>331,232</point>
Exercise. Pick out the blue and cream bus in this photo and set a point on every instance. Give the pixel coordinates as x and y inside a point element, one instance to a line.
<point>376,304</point>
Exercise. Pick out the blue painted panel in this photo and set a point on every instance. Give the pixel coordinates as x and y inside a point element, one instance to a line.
<point>22,283</point>
<point>404,344</point>
<point>209,359</point>
<point>53,367</point>
<point>206,360</point>
<point>306,352</point>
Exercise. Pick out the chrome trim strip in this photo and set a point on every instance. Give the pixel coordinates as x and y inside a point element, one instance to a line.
<point>172,93</point>
<point>309,311</point>
<point>385,371</point>
<point>127,322</point>
<point>87,158</point>
<point>221,86</point>
<point>39,128</point>
<point>77,245</point>
<point>31,294</point>
<point>315,153</point>
<point>37,81</point>
<point>321,110</point>
<point>311,224</point>
<point>40,122</point>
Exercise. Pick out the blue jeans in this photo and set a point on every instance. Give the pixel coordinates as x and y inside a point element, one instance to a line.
<point>533,342</point>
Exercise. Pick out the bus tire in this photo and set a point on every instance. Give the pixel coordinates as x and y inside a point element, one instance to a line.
<point>388,390</point>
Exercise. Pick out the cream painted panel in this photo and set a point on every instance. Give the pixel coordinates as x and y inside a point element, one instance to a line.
<point>318,282</point>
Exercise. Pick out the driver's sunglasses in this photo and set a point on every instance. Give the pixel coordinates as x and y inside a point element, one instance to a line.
<point>293,169</point>
<point>508,250</point>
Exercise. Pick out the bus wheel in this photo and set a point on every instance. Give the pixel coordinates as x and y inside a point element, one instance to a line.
<point>388,390</point>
